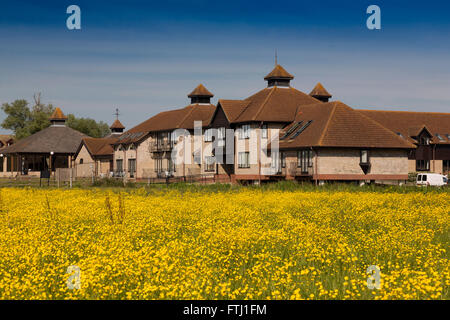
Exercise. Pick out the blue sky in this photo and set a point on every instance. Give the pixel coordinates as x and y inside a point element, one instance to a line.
<point>144,57</point>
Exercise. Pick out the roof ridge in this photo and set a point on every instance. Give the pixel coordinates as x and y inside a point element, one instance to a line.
<point>319,143</point>
<point>243,109</point>
<point>264,103</point>
<point>400,111</point>
<point>185,117</point>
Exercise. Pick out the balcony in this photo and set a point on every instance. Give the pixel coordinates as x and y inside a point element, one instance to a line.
<point>162,146</point>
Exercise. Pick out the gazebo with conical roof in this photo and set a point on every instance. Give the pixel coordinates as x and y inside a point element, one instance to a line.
<point>47,149</point>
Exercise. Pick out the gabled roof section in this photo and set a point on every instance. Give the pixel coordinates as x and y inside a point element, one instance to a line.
<point>168,121</point>
<point>320,91</point>
<point>98,146</point>
<point>233,108</point>
<point>5,139</point>
<point>410,124</point>
<point>58,115</point>
<point>274,104</point>
<point>200,91</point>
<point>335,124</point>
<point>279,73</point>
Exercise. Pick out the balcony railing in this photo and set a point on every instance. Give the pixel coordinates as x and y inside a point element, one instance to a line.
<point>161,146</point>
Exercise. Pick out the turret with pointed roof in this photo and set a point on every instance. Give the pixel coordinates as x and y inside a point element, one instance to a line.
<point>58,118</point>
<point>278,77</point>
<point>320,93</point>
<point>200,95</point>
<point>117,127</point>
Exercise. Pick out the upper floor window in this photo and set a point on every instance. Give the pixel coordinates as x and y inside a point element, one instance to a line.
<point>264,131</point>
<point>244,132</point>
<point>424,141</point>
<point>208,135</point>
<point>81,161</point>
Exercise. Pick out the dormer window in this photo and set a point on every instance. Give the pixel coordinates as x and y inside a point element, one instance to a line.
<point>424,141</point>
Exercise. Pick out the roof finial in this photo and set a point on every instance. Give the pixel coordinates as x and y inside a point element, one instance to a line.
<point>117,113</point>
<point>276,58</point>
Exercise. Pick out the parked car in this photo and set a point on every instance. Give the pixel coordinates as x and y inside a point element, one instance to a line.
<point>431,179</point>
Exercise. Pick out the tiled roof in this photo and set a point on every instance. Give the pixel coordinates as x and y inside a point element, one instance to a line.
<point>117,125</point>
<point>57,139</point>
<point>320,91</point>
<point>170,120</point>
<point>409,124</point>
<point>58,115</point>
<point>274,104</point>
<point>5,139</point>
<point>99,146</point>
<point>200,91</point>
<point>335,124</point>
<point>279,73</point>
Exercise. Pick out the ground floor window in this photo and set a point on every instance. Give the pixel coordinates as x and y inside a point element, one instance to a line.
<point>119,165</point>
<point>1,164</point>
<point>12,163</point>
<point>210,164</point>
<point>446,166</point>
<point>132,167</point>
<point>283,160</point>
<point>304,159</point>
<point>244,160</point>
<point>172,165</point>
<point>422,165</point>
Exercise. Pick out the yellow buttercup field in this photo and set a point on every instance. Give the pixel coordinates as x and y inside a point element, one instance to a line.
<point>239,244</point>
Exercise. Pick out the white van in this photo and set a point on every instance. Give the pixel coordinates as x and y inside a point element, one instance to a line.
<point>431,179</point>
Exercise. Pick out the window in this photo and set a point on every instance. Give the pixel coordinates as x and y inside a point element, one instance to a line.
<point>1,163</point>
<point>131,165</point>
<point>276,161</point>
<point>210,164</point>
<point>422,165</point>
<point>172,165</point>
<point>364,157</point>
<point>446,166</point>
<point>291,129</point>
<point>283,160</point>
<point>208,135</point>
<point>424,141</point>
<point>244,132</point>
<point>158,165</point>
<point>306,125</point>
<point>243,160</point>
<point>81,161</point>
<point>221,137</point>
<point>264,131</point>
<point>119,165</point>
<point>439,137</point>
<point>304,159</point>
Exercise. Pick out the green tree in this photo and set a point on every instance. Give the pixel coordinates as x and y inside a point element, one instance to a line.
<point>88,126</point>
<point>24,121</point>
<point>18,115</point>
